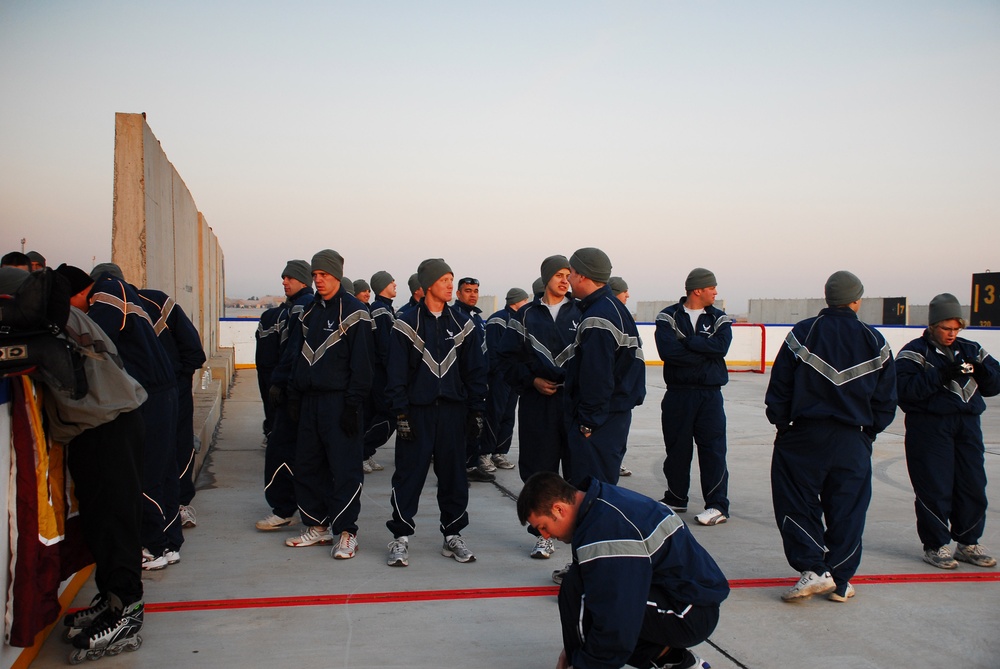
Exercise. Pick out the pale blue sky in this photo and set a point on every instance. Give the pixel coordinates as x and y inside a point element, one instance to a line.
<point>772,142</point>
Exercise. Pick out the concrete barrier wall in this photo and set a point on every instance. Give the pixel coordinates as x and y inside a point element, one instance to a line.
<point>158,236</point>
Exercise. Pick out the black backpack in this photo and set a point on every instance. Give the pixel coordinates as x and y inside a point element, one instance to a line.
<point>32,319</point>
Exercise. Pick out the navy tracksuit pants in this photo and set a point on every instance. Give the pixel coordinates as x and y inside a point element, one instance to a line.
<point>692,416</point>
<point>279,464</point>
<point>541,434</point>
<point>106,465</point>
<point>185,439</point>
<point>600,455</point>
<point>821,470</point>
<point>501,404</point>
<point>161,525</point>
<point>329,479</point>
<point>659,629</point>
<point>264,386</point>
<point>439,432</point>
<point>945,459</point>
<point>379,421</point>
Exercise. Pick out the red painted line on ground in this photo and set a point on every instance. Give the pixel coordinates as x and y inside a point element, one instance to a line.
<point>356,598</point>
<point>493,593</point>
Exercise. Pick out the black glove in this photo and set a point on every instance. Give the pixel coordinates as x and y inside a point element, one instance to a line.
<point>474,424</point>
<point>403,427</point>
<point>275,396</point>
<point>350,420</point>
<point>783,428</point>
<point>956,371</point>
<point>870,433</point>
<point>979,372</point>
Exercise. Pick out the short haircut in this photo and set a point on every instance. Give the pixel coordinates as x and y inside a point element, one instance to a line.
<point>541,492</point>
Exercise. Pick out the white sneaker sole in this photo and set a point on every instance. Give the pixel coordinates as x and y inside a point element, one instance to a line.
<point>717,519</point>
<point>806,593</point>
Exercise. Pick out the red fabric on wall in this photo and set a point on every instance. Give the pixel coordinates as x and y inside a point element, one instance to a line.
<point>37,521</point>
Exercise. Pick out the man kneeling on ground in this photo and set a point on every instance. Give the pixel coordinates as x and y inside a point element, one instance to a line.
<point>648,591</point>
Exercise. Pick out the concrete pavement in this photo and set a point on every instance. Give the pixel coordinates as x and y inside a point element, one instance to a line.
<point>239,597</point>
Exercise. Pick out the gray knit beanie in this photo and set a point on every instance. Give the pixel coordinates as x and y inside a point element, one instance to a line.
<point>538,286</point>
<point>35,256</point>
<point>109,268</point>
<point>414,283</point>
<point>515,295</point>
<point>843,288</point>
<point>329,261</point>
<point>550,266</point>
<point>360,286</point>
<point>699,277</point>
<point>381,281</point>
<point>348,284</point>
<point>298,270</point>
<point>592,263</point>
<point>944,307</point>
<point>617,285</point>
<point>431,270</point>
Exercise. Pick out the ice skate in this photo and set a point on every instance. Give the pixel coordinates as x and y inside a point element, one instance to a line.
<point>110,634</point>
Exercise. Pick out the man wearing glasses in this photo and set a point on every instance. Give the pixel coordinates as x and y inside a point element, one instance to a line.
<point>942,380</point>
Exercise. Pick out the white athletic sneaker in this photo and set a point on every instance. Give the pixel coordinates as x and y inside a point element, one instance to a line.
<point>152,562</point>
<point>346,547</point>
<point>711,517</point>
<point>486,464</point>
<point>543,550</point>
<point>312,536</point>
<point>940,558</point>
<point>172,557</point>
<point>398,556</point>
<point>188,517</point>
<point>366,467</point>
<point>810,584</point>
<point>558,574</point>
<point>834,597</point>
<point>974,554</point>
<point>624,471</point>
<point>274,522</point>
<point>376,467</point>
<point>690,661</point>
<point>501,461</point>
<point>454,547</point>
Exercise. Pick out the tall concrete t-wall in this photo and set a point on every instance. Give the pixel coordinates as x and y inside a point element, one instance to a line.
<point>158,236</point>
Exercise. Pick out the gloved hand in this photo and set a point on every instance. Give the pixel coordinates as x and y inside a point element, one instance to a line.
<point>979,372</point>
<point>956,371</point>
<point>403,427</point>
<point>870,433</point>
<point>350,420</point>
<point>474,424</point>
<point>783,428</point>
<point>275,396</point>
